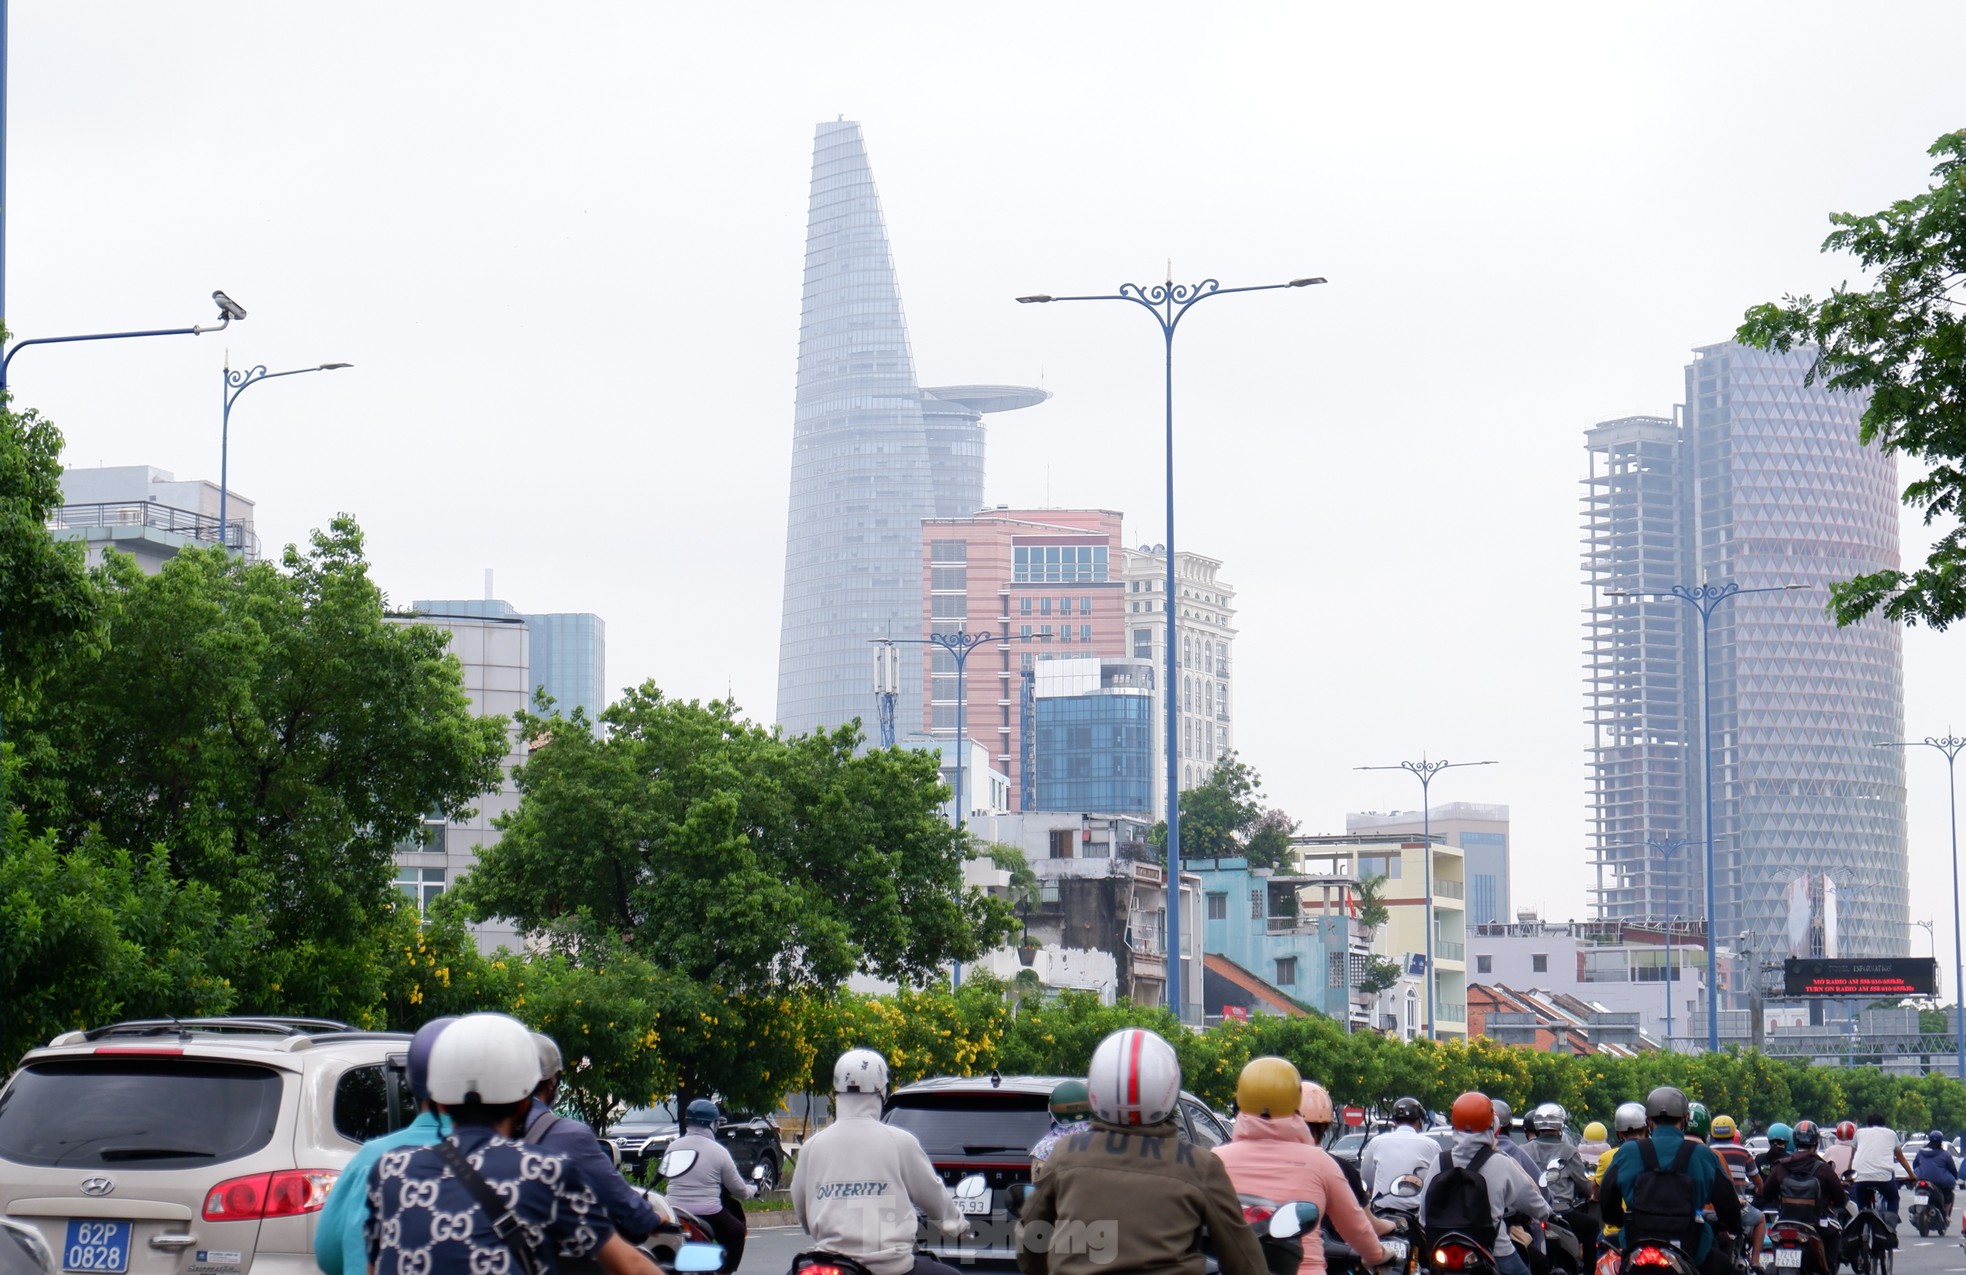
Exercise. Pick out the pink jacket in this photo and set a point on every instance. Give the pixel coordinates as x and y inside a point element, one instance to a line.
<point>1277,1160</point>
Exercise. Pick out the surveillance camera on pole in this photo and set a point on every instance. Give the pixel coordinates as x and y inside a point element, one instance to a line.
<point>227,307</point>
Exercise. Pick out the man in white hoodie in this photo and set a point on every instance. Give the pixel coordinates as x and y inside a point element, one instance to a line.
<point>859,1181</point>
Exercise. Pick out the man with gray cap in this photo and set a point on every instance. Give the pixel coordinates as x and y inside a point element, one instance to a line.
<point>550,1131</point>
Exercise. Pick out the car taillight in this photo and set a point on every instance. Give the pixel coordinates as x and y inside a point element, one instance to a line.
<point>287,1193</point>
<point>1650,1255</point>
<point>1253,1213</point>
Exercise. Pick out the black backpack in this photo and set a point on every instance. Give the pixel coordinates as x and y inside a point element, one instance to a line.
<point>1457,1200</point>
<point>1664,1203</point>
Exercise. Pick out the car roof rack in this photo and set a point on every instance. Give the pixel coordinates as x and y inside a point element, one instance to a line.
<point>273,1025</point>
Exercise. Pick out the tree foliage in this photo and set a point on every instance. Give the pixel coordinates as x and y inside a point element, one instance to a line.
<point>268,727</point>
<point>1902,342</point>
<point>47,601</point>
<point>1225,818</point>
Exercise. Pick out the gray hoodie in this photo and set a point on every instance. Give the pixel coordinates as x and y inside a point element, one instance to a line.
<point>1510,1190</point>
<point>859,1183</point>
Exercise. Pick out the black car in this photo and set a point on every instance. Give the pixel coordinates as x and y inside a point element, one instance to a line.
<point>979,1131</point>
<point>644,1133</point>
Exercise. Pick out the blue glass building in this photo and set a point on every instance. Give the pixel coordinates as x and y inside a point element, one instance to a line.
<point>1095,736</point>
<point>567,651</point>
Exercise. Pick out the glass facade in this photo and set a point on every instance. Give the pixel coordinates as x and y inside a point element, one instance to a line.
<point>569,659</point>
<point>1764,484</point>
<point>1094,753</point>
<point>861,470</point>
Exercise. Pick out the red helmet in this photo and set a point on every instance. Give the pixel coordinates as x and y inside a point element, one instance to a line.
<point>1472,1113</point>
<point>1846,1131</point>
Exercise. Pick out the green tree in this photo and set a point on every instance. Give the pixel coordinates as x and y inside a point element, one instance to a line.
<point>277,735</point>
<point>1225,818</point>
<point>1902,342</point>
<point>48,605</point>
<point>1372,911</point>
<point>1380,975</point>
<point>744,867</point>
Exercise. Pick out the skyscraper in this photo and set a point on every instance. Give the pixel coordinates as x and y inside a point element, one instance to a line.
<point>1205,625</point>
<point>1761,481</point>
<point>873,454</point>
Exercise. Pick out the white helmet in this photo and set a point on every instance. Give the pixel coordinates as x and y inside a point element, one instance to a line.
<point>1134,1078</point>
<point>485,1059</point>
<point>860,1071</point>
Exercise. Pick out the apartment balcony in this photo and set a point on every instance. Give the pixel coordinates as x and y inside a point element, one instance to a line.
<point>1448,950</point>
<point>1450,1012</point>
<point>1447,888</point>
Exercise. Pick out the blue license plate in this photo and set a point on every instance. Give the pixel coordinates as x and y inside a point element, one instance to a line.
<point>94,1245</point>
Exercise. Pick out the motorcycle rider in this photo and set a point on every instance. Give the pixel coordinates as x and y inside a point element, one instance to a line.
<point>626,1208</point>
<point>860,1181</point>
<point>338,1245</point>
<point>711,1186</point>
<point>428,1216</point>
<point>1740,1165</point>
<point>1840,1154</point>
<point>1875,1164</point>
<point>1510,1191</point>
<point>1628,1123</point>
<point>1593,1144</point>
<point>1071,1112</point>
<point>1272,1155</point>
<point>1401,1152</point>
<point>1933,1165</point>
<point>1642,1193</point>
<point>1778,1148</point>
<point>1569,1186</point>
<point>1315,1109</point>
<point>1804,1187</point>
<point>1129,1194</point>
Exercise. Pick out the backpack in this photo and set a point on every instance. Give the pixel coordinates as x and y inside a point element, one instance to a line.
<point>1457,1200</point>
<point>1664,1203</point>
<point>1799,1195</point>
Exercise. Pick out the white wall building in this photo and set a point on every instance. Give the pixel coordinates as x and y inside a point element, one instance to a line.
<point>145,512</point>
<point>1205,629</point>
<point>1621,966</point>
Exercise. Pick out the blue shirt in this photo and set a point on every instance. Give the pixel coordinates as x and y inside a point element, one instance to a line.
<point>625,1207</point>
<point>424,1221</point>
<point>339,1248</point>
<point>1704,1168</point>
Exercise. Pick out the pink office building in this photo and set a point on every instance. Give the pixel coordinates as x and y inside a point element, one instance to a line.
<point>1045,584</point>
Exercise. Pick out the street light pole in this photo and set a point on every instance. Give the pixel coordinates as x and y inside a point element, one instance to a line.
<point>1950,747</point>
<point>959,646</point>
<point>228,310</point>
<point>1424,771</point>
<point>1667,847</point>
<point>1169,303</point>
<point>236,384</point>
<point>1706,598</point>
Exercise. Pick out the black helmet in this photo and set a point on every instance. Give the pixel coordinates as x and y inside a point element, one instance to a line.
<point>1666,1103</point>
<point>1808,1135</point>
<point>1409,1111</point>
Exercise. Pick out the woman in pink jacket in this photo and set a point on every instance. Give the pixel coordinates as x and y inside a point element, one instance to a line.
<point>1272,1155</point>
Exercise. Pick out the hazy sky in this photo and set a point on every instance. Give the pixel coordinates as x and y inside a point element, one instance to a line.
<point>562,246</point>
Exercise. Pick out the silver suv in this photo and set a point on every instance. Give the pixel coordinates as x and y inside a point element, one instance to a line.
<point>200,1146</point>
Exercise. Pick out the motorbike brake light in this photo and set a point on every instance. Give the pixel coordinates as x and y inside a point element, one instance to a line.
<point>1253,1213</point>
<point>821,1268</point>
<point>1650,1255</point>
<point>1451,1257</point>
<point>287,1193</point>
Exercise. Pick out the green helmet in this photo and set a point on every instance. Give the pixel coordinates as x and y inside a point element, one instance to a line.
<point>1070,1101</point>
<point>1698,1121</point>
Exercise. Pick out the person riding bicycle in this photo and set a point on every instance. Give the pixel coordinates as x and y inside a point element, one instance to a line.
<point>1569,1186</point>
<point>1803,1187</point>
<point>1875,1166</point>
<point>1401,1152</point>
<point>1130,1195</point>
<point>1657,1186</point>
<point>1507,1190</point>
<point>709,1184</point>
<point>1934,1166</point>
<point>1271,1154</point>
<point>860,1182</point>
<point>1725,1139</point>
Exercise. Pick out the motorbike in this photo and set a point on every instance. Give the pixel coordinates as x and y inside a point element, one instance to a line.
<point>1462,1254</point>
<point>1796,1246</point>
<point>1869,1240</point>
<point>680,1236</point>
<point>1927,1210</point>
<point>1281,1231</point>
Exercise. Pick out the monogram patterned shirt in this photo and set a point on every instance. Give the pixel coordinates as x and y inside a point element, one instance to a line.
<point>423,1221</point>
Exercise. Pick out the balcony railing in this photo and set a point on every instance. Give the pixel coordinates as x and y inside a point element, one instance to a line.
<point>1447,950</point>
<point>1450,1012</point>
<point>148,513</point>
<point>1448,888</point>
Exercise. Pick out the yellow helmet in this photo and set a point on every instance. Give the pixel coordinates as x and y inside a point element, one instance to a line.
<point>1268,1087</point>
<point>1723,1129</point>
<point>1594,1131</point>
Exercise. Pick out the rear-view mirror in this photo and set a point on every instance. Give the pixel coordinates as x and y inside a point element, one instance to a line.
<point>699,1257</point>
<point>676,1162</point>
<point>1293,1220</point>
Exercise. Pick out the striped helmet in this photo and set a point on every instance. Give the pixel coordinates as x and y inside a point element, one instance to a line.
<point>1134,1078</point>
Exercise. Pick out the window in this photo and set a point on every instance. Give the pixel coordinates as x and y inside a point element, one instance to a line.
<point>1085,606</point>
<point>1143,644</point>
<point>1044,605</point>
<point>948,579</point>
<point>1044,633</point>
<point>948,551</point>
<point>369,1103</point>
<point>1065,605</point>
<point>75,1113</point>
<point>1064,633</point>
<point>1061,843</point>
<point>1024,631</point>
<point>1286,971</point>
<point>1023,606</point>
<point>1218,906</point>
<point>1539,963</point>
<point>421,886</point>
<point>1484,965</point>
